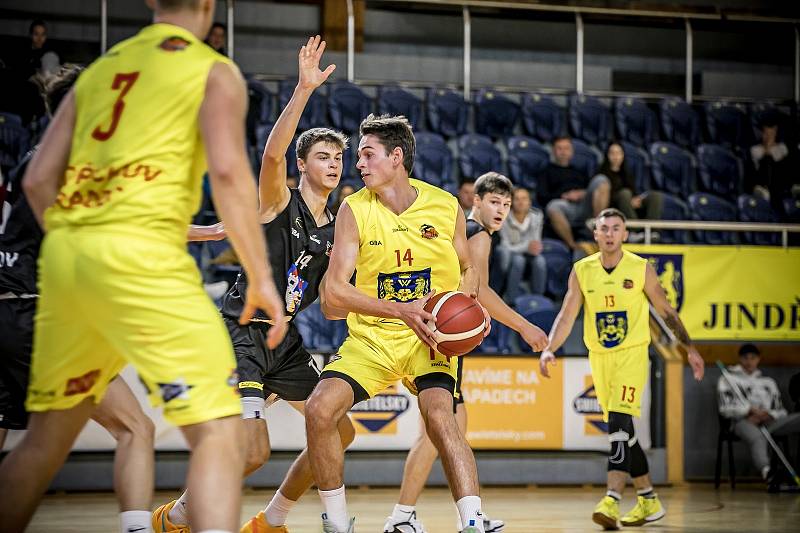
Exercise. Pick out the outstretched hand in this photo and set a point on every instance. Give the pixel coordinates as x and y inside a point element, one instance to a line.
<point>547,358</point>
<point>309,74</point>
<point>696,362</point>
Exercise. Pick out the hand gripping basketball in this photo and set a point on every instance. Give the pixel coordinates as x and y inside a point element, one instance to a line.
<point>460,323</point>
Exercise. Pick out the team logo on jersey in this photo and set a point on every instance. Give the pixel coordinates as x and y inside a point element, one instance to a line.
<point>669,268</point>
<point>81,384</point>
<point>295,288</point>
<point>404,286</point>
<point>298,222</point>
<point>174,44</point>
<point>586,404</point>
<point>378,415</point>
<point>612,327</point>
<point>627,284</point>
<point>176,390</point>
<point>328,248</point>
<point>428,231</point>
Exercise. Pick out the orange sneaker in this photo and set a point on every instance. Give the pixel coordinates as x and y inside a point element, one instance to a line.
<point>259,524</point>
<point>161,523</point>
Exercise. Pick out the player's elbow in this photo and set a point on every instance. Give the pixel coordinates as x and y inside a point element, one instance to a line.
<point>330,298</point>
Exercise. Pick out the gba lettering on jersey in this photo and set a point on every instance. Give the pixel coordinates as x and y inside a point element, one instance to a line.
<point>375,243</point>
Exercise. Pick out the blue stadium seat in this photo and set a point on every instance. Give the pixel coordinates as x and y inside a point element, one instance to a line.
<point>314,115</point>
<point>526,159</point>
<point>260,102</point>
<point>542,117</point>
<point>672,168</point>
<point>679,122</point>
<point>14,141</point>
<point>320,334</point>
<point>433,161</point>
<point>477,155</point>
<point>527,303</point>
<point>498,340</point>
<point>791,210</point>
<point>720,171</point>
<point>559,263</point>
<point>447,112</point>
<point>586,158</point>
<point>348,106</point>
<point>674,209</point>
<point>728,125</point>
<point>638,163</point>
<point>393,100</point>
<point>636,122</point>
<point>707,207</point>
<point>349,170</point>
<point>756,209</point>
<point>589,119</point>
<point>496,115</point>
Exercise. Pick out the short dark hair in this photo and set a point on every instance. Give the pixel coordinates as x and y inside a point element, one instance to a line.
<point>309,138</point>
<point>392,132</point>
<point>558,138</point>
<point>611,212</point>
<point>493,182</point>
<point>59,85</point>
<point>218,25</point>
<point>173,5</point>
<point>465,181</point>
<point>748,348</point>
<point>34,23</point>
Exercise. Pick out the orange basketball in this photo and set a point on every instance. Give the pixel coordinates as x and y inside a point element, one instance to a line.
<point>459,323</point>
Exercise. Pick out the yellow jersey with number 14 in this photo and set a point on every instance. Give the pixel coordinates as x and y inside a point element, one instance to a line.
<point>402,257</point>
<point>615,308</point>
<point>137,156</point>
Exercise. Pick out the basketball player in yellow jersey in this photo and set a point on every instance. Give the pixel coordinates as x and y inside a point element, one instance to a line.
<point>119,173</point>
<point>405,240</point>
<point>614,286</point>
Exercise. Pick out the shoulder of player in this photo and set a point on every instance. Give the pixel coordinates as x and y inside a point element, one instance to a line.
<point>587,261</point>
<point>633,257</point>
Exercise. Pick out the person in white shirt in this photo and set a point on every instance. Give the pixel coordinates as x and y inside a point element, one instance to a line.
<point>522,236</point>
<point>763,406</point>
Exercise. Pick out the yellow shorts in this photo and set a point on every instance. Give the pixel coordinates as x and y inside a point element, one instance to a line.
<point>112,299</point>
<point>619,379</point>
<point>376,358</point>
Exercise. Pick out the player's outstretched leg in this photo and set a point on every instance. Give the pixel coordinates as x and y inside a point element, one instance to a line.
<point>297,481</point>
<point>27,470</point>
<point>122,416</point>
<point>436,406</point>
<point>325,408</point>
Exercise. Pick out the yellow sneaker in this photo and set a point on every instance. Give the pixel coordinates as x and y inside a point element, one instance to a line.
<point>647,510</point>
<point>606,513</point>
<point>161,523</point>
<point>259,524</point>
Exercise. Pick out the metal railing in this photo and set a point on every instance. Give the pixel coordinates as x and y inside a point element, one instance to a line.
<point>649,225</point>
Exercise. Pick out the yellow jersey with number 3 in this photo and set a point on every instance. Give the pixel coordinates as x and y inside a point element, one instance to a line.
<point>137,156</point>
<point>615,308</point>
<point>402,257</point>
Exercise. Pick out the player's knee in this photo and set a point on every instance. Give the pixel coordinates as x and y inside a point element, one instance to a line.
<point>257,454</point>
<point>319,412</point>
<point>144,429</point>
<point>439,419</point>
<point>620,432</point>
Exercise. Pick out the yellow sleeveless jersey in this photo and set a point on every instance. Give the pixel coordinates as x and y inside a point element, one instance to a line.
<point>615,308</point>
<point>402,257</point>
<point>137,156</point>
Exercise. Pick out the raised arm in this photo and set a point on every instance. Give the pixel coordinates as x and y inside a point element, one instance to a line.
<point>338,294</point>
<point>563,323</point>
<point>222,115</point>
<point>45,173</point>
<point>480,246</point>
<point>655,293</point>
<point>273,194</point>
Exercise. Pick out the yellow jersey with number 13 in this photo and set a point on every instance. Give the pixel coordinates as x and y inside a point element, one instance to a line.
<point>402,257</point>
<point>615,309</point>
<point>137,156</point>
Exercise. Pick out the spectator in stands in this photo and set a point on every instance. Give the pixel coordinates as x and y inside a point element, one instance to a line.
<point>466,195</point>
<point>522,235</point>
<point>763,406</point>
<point>343,192</point>
<point>771,161</point>
<point>216,37</point>
<point>40,58</point>
<point>569,196</point>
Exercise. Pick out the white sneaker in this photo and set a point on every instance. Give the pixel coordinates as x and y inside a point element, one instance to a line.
<point>404,525</point>
<point>492,526</point>
<point>216,290</point>
<point>327,527</point>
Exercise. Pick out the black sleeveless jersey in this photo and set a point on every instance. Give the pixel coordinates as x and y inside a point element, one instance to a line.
<point>299,253</point>
<point>474,227</point>
<point>20,235</point>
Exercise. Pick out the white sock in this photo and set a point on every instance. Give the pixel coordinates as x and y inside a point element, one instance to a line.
<point>335,505</point>
<point>765,472</point>
<point>402,512</point>
<point>469,509</point>
<point>135,521</point>
<point>278,509</point>
<point>178,515</point>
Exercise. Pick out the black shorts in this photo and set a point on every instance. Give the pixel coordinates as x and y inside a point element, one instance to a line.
<point>457,396</point>
<point>16,344</point>
<point>288,371</point>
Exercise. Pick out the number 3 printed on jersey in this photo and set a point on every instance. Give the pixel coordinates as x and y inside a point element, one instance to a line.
<point>122,83</point>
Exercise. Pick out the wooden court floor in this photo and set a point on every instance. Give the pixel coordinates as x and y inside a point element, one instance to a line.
<point>692,508</point>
